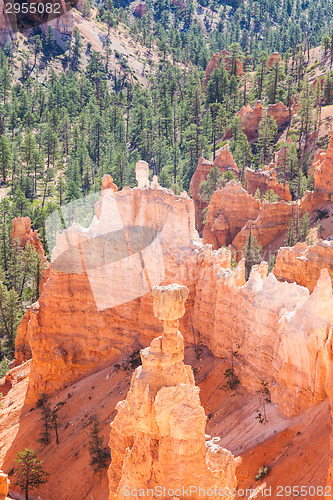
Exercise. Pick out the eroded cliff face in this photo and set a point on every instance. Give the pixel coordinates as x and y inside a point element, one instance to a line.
<point>224,161</point>
<point>250,118</point>
<point>303,264</point>
<point>265,180</point>
<point>3,485</point>
<point>228,211</point>
<point>277,328</point>
<point>232,211</point>
<point>253,180</point>
<point>70,334</point>
<point>158,436</point>
<point>224,57</point>
<point>323,170</point>
<point>21,231</point>
<point>88,312</point>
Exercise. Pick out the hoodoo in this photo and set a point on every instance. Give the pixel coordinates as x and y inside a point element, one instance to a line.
<point>158,436</point>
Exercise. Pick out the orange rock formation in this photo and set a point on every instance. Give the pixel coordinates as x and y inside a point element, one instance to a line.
<point>250,118</point>
<point>3,485</point>
<point>21,229</point>
<point>323,173</point>
<point>224,161</point>
<point>265,180</point>
<point>140,10</point>
<point>303,264</point>
<point>232,211</point>
<point>269,227</point>
<point>69,294</point>
<point>158,436</point>
<point>264,320</point>
<point>224,57</point>
<point>275,58</point>
<point>228,211</point>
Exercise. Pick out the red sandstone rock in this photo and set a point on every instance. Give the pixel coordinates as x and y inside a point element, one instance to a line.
<point>265,180</point>
<point>222,57</point>
<point>279,112</point>
<point>262,319</point>
<point>158,435</point>
<point>228,211</point>
<point>275,58</point>
<point>140,10</point>
<point>303,264</point>
<point>69,337</point>
<point>318,159</point>
<point>323,174</point>
<point>224,161</point>
<point>271,223</point>
<point>3,485</point>
<point>21,230</point>
<point>64,292</point>
<point>250,118</point>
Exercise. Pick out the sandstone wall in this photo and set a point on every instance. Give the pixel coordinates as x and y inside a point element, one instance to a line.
<point>323,177</point>
<point>228,211</point>
<point>70,336</point>
<point>278,329</point>
<point>303,264</point>
<point>224,161</point>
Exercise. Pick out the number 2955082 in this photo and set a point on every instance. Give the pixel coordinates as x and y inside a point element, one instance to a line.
<point>304,491</point>
<point>33,8</point>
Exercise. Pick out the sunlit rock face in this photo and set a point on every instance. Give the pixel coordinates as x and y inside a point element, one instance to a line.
<point>250,118</point>
<point>158,436</point>
<point>323,170</point>
<point>225,162</point>
<point>73,329</point>
<point>22,232</point>
<point>229,210</point>
<point>303,264</point>
<point>97,297</point>
<point>4,483</point>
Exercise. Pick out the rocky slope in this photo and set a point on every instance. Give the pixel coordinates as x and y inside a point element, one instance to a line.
<point>264,331</point>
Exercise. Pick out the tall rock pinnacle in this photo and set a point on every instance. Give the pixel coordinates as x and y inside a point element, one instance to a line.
<point>158,444</point>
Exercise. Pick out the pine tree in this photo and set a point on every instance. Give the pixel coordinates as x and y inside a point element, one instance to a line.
<point>252,253</point>
<point>5,156</point>
<point>290,239</point>
<point>266,139</point>
<point>29,473</point>
<point>214,181</point>
<point>305,226</point>
<point>99,455</point>
<point>46,418</point>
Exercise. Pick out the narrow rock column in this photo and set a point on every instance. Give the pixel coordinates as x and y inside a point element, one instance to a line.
<point>158,436</point>
<point>142,173</point>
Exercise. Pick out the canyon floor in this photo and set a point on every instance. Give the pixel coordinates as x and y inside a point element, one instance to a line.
<point>296,449</point>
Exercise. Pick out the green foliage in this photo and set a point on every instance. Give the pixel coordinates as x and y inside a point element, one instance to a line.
<point>290,239</point>
<point>29,472</point>
<point>252,253</point>
<point>231,378</point>
<point>271,196</point>
<point>46,418</point>
<point>305,227</point>
<point>99,455</point>
<point>214,181</point>
<point>266,139</point>
<point>265,398</point>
